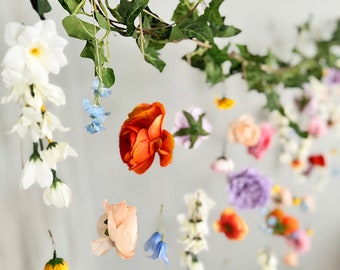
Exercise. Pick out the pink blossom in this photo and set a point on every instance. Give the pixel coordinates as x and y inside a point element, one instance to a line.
<point>222,165</point>
<point>244,130</point>
<point>266,134</point>
<point>291,259</point>
<point>317,127</point>
<point>300,241</point>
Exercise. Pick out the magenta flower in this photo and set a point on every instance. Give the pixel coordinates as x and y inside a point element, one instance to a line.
<point>266,134</point>
<point>248,189</point>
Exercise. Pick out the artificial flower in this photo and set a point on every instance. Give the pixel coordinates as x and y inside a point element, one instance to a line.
<point>57,194</point>
<point>248,189</point>
<point>194,228</point>
<point>191,127</point>
<point>156,247</point>
<point>35,49</point>
<point>291,259</point>
<point>142,136</point>
<point>267,260</point>
<point>49,123</point>
<point>56,152</point>
<point>222,165</point>
<point>317,127</point>
<point>280,223</point>
<point>56,263</point>
<point>36,170</point>
<point>282,196</point>
<point>331,76</point>
<point>299,240</point>
<point>313,162</point>
<point>232,225</point>
<point>118,228</point>
<point>243,130</point>
<point>97,115</point>
<point>266,134</point>
<point>100,89</point>
<point>224,103</point>
<point>307,203</point>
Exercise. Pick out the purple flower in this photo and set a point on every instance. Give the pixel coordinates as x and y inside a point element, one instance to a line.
<point>248,189</point>
<point>332,76</point>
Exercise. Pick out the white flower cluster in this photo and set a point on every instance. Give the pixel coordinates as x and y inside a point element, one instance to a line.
<point>194,228</point>
<point>267,260</point>
<point>35,52</point>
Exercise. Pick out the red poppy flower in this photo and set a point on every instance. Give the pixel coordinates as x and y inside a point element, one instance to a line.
<point>232,225</point>
<point>142,136</point>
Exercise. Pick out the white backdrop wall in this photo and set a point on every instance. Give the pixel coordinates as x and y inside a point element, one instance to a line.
<point>99,174</point>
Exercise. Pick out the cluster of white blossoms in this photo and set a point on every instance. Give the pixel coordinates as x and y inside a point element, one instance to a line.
<point>194,226</point>
<point>35,52</point>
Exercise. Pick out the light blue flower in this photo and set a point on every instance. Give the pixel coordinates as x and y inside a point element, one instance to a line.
<point>103,92</point>
<point>156,247</point>
<point>97,115</point>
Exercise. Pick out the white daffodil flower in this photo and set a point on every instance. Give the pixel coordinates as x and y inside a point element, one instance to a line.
<point>57,152</point>
<point>37,49</point>
<point>58,194</point>
<point>49,123</point>
<point>28,121</point>
<point>36,170</point>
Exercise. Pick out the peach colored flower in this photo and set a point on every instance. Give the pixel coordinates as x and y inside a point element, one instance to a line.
<point>291,259</point>
<point>232,225</point>
<point>117,228</point>
<point>243,130</point>
<point>142,136</point>
<point>258,150</point>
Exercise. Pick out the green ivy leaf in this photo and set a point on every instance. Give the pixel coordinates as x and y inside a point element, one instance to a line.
<point>70,5</point>
<point>188,29</point>
<point>185,9</point>
<point>102,22</point>
<point>152,56</point>
<point>78,28</point>
<point>108,77</point>
<point>127,12</point>
<point>41,7</point>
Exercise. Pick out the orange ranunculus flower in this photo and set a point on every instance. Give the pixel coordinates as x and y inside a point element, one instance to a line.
<point>291,225</point>
<point>232,225</point>
<point>142,136</point>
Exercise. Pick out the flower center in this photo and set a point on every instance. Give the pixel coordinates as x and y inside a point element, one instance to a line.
<point>35,51</point>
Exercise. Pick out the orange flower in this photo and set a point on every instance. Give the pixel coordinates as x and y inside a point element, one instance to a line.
<point>291,224</point>
<point>232,225</point>
<point>283,224</point>
<point>141,137</point>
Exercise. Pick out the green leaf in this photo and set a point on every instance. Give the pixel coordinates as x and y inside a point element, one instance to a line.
<point>70,5</point>
<point>108,77</point>
<point>102,22</point>
<point>188,29</point>
<point>77,28</point>
<point>41,7</point>
<point>90,52</point>
<point>297,129</point>
<point>127,12</point>
<point>151,56</point>
<point>185,9</point>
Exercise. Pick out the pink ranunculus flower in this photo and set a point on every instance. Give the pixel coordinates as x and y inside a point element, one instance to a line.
<point>222,165</point>
<point>243,130</point>
<point>317,127</point>
<point>117,227</point>
<point>266,134</point>
<point>300,241</point>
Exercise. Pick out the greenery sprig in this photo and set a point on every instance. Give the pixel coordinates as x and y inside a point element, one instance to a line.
<point>93,21</point>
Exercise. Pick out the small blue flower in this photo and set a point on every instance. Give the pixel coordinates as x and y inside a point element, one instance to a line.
<point>156,247</point>
<point>104,92</point>
<point>97,114</point>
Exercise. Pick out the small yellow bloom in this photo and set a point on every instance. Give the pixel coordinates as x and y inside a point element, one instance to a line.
<point>297,201</point>
<point>276,189</point>
<point>310,232</point>
<point>224,103</point>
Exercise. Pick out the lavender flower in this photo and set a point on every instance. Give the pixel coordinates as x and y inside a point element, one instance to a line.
<point>332,76</point>
<point>248,189</point>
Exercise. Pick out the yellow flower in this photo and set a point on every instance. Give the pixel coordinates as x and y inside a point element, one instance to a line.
<point>224,103</point>
<point>56,264</point>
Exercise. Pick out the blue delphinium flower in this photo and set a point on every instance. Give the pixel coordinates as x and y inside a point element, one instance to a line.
<point>156,247</point>
<point>97,115</point>
<point>103,92</point>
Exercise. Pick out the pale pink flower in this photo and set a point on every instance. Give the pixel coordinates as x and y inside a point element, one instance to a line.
<point>317,127</point>
<point>222,165</point>
<point>243,130</point>
<point>266,134</point>
<point>283,196</point>
<point>118,228</point>
<point>291,259</point>
<point>300,241</point>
